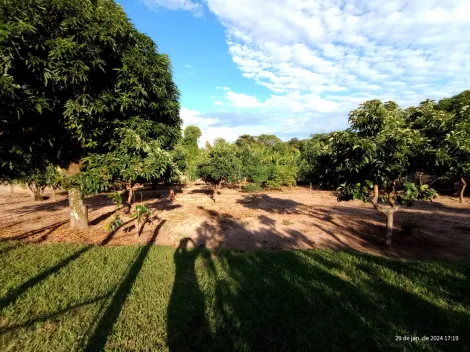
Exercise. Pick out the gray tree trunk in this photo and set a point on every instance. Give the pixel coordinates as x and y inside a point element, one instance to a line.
<point>78,210</point>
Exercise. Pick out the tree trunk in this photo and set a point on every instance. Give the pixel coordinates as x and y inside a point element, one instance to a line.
<point>310,185</point>
<point>214,192</point>
<point>130,198</point>
<point>387,211</point>
<point>78,210</point>
<point>11,188</point>
<point>462,189</point>
<point>137,228</point>
<point>36,192</point>
<point>389,232</point>
<point>172,196</point>
<point>53,194</point>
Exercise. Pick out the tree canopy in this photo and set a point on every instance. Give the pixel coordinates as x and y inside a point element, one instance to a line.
<point>72,72</point>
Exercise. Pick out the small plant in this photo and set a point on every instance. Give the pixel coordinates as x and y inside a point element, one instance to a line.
<point>287,222</point>
<point>114,224</point>
<point>140,215</point>
<point>252,187</point>
<point>408,227</point>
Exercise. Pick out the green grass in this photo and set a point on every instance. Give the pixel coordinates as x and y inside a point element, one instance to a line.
<point>66,297</point>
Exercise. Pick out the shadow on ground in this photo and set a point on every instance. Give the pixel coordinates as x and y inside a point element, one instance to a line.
<point>224,300</point>
<point>351,223</point>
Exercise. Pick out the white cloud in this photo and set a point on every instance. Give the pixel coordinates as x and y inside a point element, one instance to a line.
<point>193,117</point>
<point>306,52</point>
<point>220,103</point>
<point>240,100</point>
<point>193,6</point>
<point>320,59</point>
<point>188,66</point>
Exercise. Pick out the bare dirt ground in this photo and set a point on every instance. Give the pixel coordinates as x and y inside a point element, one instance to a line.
<point>294,218</point>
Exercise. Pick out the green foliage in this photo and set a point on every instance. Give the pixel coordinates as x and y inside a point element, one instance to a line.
<point>446,127</point>
<point>268,164</point>
<point>116,197</point>
<point>186,153</point>
<point>245,139</point>
<point>191,138</point>
<point>140,213</point>
<point>349,191</point>
<point>72,72</point>
<point>412,192</point>
<point>37,179</point>
<point>133,157</point>
<point>114,224</point>
<point>220,164</point>
<point>314,159</point>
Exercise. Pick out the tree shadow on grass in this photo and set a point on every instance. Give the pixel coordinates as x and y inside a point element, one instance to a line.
<point>187,328</point>
<point>307,300</point>
<point>13,295</point>
<point>103,328</point>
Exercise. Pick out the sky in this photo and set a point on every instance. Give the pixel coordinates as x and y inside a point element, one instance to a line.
<point>297,67</point>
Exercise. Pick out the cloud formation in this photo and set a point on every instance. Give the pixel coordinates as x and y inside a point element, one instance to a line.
<point>320,59</point>
<point>193,6</point>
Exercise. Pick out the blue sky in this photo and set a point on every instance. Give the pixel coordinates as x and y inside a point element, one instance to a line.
<point>297,67</point>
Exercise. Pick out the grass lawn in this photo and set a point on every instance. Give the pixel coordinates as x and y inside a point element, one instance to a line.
<point>65,297</point>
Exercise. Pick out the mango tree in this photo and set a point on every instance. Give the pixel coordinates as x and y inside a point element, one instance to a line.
<point>219,164</point>
<point>134,157</point>
<point>376,154</point>
<point>458,136</point>
<point>72,72</point>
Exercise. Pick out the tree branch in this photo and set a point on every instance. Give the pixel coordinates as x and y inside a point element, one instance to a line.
<point>379,207</point>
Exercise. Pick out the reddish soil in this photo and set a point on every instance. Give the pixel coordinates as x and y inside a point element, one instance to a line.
<point>295,218</point>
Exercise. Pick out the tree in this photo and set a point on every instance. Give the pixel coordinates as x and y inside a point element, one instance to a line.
<point>268,140</point>
<point>72,72</point>
<point>458,136</point>
<point>376,153</point>
<point>268,164</point>
<point>133,158</point>
<point>191,137</point>
<point>245,139</point>
<point>314,159</point>
<point>219,164</point>
<point>295,142</point>
<point>36,180</point>
<point>447,134</point>
<point>187,151</point>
